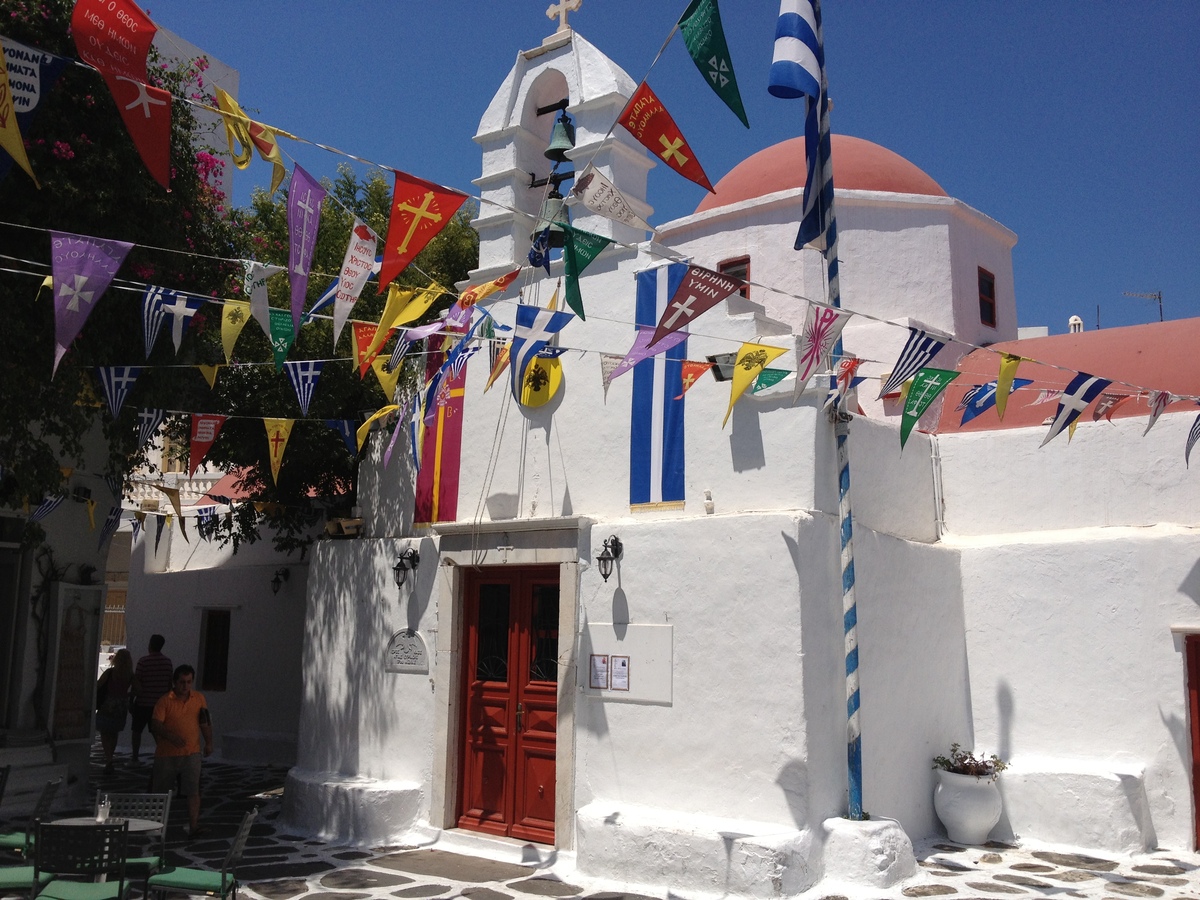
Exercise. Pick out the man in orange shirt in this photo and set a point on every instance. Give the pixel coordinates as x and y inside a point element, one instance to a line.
<point>179,720</point>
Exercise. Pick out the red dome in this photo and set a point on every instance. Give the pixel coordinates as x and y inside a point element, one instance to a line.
<point>858,165</point>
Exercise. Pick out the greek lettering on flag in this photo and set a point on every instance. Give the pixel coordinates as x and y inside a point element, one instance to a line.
<point>83,269</point>
<point>304,375</point>
<point>1076,396</point>
<point>535,328</point>
<point>116,382</point>
<point>656,435</point>
<point>918,352</point>
<point>254,285</point>
<point>356,269</point>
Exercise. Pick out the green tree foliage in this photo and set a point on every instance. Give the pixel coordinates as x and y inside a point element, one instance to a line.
<point>94,183</point>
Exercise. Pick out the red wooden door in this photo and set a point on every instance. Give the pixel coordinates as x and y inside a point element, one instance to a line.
<point>510,702</point>
<point>1192,648</point>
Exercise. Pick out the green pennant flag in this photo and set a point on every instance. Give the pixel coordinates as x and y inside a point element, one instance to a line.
<point>705,39</point>
<point>282,335</point>
<point>768,378</point>
<point>581,248</point>
<point>926,385</point>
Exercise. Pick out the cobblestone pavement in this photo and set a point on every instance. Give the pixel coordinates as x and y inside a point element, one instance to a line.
<point>282,866</point>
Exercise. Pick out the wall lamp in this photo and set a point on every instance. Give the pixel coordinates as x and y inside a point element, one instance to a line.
<point>408,559</point>
<point>281,577</point>
<point>610,554</point>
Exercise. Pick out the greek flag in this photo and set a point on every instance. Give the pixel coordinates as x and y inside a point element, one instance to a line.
<point>148,422</point>
<point>47,506</point>
<point>920,350</point>
<point>535,328</point>
<point>1082,390</point>
<point>304,375</point>
<point>798,70</point>
<point>1193,436</point>
<point>117,381</point>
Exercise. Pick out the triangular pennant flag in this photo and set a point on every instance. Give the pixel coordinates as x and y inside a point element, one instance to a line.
<point>159,523</point>
<point>35,72</point>
<point>210,374</point>
<point>387,380</point>
<point>918,352</point>
<point>357,266</point>
<point>768,378</point>
<point>643,349</point>
<point>690,374</point>
<point>110,525</point>
<point>1075,398</point>
<point>278,432</point>
<point>139,522</point>
<point>416,431</point>
<point>580,249</point>
<point>245,136</point>
<point>751,360</point>
<point>602,197</point>
<point>814,346</point>
<point>459,314</point>
<point>535,328</point>
<point>234,316</point>
<point>1107,406</point>
<point>47,506</point>
<point>181,308</point>
<point>254,284</point>
<point>608,365</point>
<point>364,338</point>
<point>1008,371</point>
<point>91,513</point>
<point>365,428</point>
<point>539,250</point>
<point>705,39</point>
<point>116,382</point>
<point>1193,436</point>
<point>498,367</point>
<point>305,196</point>
<point>401,425</point>
<point>1046,396</point>
<point>844,381</point>
<point>83,268</point>
<point>700,290</point>
<point>404,306</point>
<point>1159,400</point>
<point>648,121</point>
<point>10,131</point>
<point>304,375</point>
<point>420,210</point>
<point>116,486</point>
<point>172,497</point>
<point>146,112</point>
<point>282,335</point>
<point>148,422</point>
<point>205,428</point>
<point>345,428</point>
<point>927,384</point>
<point>983,397</point>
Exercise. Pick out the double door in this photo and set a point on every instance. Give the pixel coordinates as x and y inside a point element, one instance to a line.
<point>510,702</point>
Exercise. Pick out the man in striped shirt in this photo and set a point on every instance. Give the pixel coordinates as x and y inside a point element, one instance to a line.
<point>153,671</point>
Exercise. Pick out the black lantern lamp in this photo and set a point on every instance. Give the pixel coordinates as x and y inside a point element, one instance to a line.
<point>609,555</point>
<point>408,559</point>
<point>279,580</point>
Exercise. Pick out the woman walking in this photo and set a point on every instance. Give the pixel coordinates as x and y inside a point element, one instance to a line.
<point>113,691</point>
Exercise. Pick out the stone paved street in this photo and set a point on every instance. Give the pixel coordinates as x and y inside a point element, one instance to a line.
<point>282,866</point>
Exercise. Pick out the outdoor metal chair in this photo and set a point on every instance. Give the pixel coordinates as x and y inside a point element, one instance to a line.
<point>87,862</point>
<point>22,841</point>
<point>19,880</point>
<point>205,881</point>
<point>155,808</point>
<point>4,773</point>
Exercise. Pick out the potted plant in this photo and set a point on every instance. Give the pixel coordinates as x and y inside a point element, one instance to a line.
<point>966,797</point>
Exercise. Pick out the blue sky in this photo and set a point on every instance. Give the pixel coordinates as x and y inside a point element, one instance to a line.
<point>1075,124</point>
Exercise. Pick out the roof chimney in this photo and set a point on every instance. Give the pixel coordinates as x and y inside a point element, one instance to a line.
<point>1075,325</point>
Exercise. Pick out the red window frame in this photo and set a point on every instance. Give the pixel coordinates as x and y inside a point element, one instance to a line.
<point>987,298</point>
<point>737,267</point>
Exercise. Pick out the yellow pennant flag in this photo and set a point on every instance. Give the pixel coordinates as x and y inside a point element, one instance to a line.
<point>249,136</point>
<point>1008,371</point>
<point>234,316</point>
<point>365,428</point>
<point>499,367</point>
<point>387,380</point>
<point>750,362</point>
<point>91,508</point>
<point>278,432</point>
<point>173,496</point>
<point>210,374</point>
<point>401,308</point>
<point>10,133</point>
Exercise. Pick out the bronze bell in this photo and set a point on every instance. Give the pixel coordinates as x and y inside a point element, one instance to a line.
<point>553,216</point>
<point>562,139</point>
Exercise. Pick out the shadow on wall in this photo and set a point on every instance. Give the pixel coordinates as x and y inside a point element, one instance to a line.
<point>1191,584</point>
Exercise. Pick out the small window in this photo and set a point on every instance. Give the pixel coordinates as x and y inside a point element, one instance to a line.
<point>737,268</point>
<point>214,649</point>
<point>173,456</point>
<point>987,298</point>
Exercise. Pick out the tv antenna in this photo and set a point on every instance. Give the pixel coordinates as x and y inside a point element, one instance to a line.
<point>1157,295</point>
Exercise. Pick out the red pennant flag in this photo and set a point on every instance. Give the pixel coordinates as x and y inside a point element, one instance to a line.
<point>691,373</point>
<point>146,112</point>
<point>364,336</point>
<point>700,290</point>
<point>647,119</point>
<point>420,210</point>
<point>205,428</point>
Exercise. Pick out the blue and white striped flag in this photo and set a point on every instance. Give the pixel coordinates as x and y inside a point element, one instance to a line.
<point>415,424</point>
<point>920,350</point>
<point>535,328</point>
<point>47,506</point>
<point>656,434</point>
<point>458,362</point>
<point>1076,396</point>
<point>148,422</point>
<point>398,353</point>
<point>304,375</point>
<point>116,381</point>
<point>1193,436</point>
<point>110,525</point>
<point>347,430</point>
<point>798,70</point>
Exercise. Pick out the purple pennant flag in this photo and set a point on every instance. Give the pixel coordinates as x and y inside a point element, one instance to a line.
<point>304,375</point>
<point>110,525</point>
<point>303,215</point>
<point>83,268</point>
<point>641,348</point>
<point>148,422</point>
<point>116,381</point>
<point>401,425</point>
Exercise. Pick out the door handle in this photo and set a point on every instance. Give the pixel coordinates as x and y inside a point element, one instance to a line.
<point>520,717</point>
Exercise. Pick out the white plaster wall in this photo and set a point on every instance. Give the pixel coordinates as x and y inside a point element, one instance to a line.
<point>979,241</point>
<point>1072,662</point>
<point>891,491</point>
<point>1000,482</point>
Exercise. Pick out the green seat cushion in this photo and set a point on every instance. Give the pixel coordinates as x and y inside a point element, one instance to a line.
<point>20,878</point>
<point>139,864</point>
<point>83,890</point>
<point>13,840</point>
<point>181,878</point>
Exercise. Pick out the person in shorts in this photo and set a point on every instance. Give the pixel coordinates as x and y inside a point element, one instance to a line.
<point>179,721</point>
<point>153,674</point>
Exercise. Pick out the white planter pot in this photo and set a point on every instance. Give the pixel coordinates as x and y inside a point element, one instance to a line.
<point>968,806</point>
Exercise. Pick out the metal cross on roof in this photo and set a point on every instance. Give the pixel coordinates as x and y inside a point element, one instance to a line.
<point>559,11</point>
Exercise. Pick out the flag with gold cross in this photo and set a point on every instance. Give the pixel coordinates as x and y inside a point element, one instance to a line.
<point>420,209</point>
<point>647,119</point>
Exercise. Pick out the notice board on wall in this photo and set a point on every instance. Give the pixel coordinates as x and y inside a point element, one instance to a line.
<point>627,663</point>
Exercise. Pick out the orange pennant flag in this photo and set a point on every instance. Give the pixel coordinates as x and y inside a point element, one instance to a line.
<point>278,432</point>
<point>420,209</point>
<point>365,348</point>
<point>499,367</point>
<point>477,292</point>
<point>691,373</point>
<point>647,119</point>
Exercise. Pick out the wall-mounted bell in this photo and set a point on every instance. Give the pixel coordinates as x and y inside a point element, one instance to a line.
<point>553,216</point>
<point>562,139</point>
